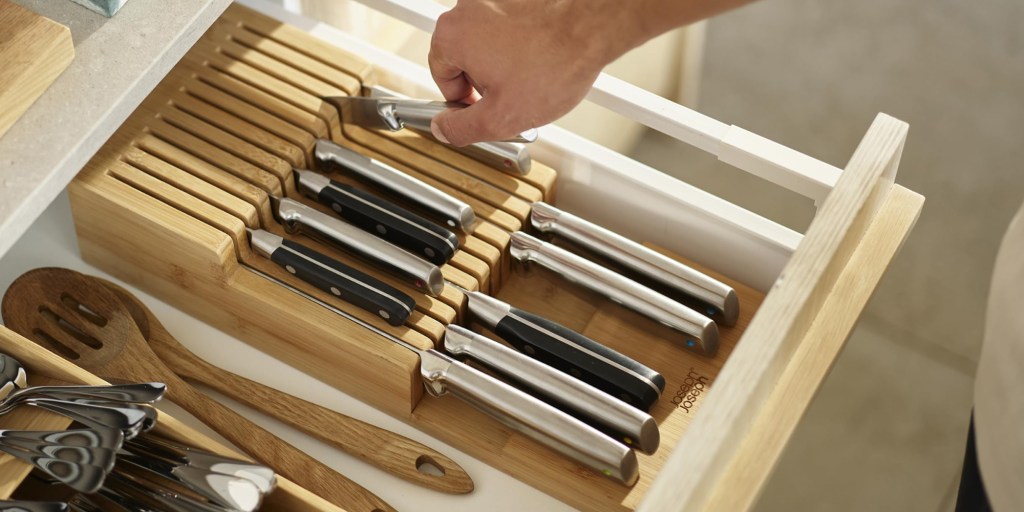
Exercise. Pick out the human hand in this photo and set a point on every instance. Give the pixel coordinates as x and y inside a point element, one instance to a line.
<point>521,64</point>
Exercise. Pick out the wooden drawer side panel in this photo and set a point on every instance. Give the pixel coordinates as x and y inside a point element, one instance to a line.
<point>782,323</point>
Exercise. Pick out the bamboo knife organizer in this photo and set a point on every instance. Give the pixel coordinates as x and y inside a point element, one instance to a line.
<point>166,202</point>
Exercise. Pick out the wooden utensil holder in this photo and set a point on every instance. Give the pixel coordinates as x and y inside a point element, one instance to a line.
<point>44,368</point>
<point>165,204</point>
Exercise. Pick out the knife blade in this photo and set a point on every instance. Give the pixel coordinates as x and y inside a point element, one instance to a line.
<point>524,413</point>
<point>380,217</point>
<point>394,113</point>
<point>330,156</point>
<point>508,156</point>
<point>627,424</point>
<point>718,299</point>
<point>334,277</point>
<point>569,351</point>
<point>700,332</point>
<point>297,217</point>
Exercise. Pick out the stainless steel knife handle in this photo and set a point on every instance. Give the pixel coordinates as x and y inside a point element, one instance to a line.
<point>455,212</point>
<point>530,416</point>
<point>33,506</point>
<point>662,269</point>
<point>418,114</point>
<point>422,274</point>
<point>507,156</point>
<point>604,412</point>
<point>701,334</point>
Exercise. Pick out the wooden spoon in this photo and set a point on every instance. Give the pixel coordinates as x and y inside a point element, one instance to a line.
<point>387,450</point>
<point>87,324</point>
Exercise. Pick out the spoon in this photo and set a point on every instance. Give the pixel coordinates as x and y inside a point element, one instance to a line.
<point>32,506</point>
<point>379,447</point>
<point>15,383</point>
<point>79,459</point>
<point>90,327</point>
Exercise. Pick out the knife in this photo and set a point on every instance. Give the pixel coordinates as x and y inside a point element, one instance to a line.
<point>334,277</point>
<point>718,299</point>
<point>456,213</point>
<point>604,412</point>
<point>380,217</point>
<point>297,217</point>
<point>545,424</point>
<point>394,113</point>
<point>569,351</point>
<point>509,156</point>
<point>700,332</point>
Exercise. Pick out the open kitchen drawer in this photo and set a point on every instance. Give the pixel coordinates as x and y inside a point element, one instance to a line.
<point>723,420</point>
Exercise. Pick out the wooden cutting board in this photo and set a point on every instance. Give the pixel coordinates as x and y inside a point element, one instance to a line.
<point>34,51</point>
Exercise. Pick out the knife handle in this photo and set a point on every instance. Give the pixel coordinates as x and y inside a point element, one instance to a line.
<point>506,156</point>
<point>717,299</point>
<point>575,354</point>
<point>700,334</point>
<point>417,114</point>
<point>335,277</point>
<point>455,213</point>
<point>423,275</point>
<point>604,412</point>
<point>568,351</point>
<point>33,506</point>
<point>530,416</point>
<point>382,218</point>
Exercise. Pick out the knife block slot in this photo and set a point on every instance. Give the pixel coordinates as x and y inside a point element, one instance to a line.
<point>166,202</point>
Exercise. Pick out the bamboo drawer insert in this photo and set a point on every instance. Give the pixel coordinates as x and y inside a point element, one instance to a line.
<point>166,202</point>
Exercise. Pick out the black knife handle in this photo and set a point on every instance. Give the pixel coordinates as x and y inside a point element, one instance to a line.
<point>390,222</point>
<point>345,282</point>
<point>573,353</point>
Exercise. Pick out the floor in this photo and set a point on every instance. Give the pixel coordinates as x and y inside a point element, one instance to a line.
<point>887,430</point>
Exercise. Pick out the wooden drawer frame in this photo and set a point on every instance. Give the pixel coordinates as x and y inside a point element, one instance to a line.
<point>818,283</point>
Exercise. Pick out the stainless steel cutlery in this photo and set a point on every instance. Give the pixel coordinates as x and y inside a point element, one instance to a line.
<point>699,333</point>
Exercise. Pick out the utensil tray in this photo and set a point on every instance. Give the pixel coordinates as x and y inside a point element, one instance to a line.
<point>45,367</point>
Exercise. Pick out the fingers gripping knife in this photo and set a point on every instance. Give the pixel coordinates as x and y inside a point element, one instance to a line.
<point>384,109</point>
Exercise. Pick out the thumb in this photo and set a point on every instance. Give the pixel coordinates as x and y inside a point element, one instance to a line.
<point>481,121</point>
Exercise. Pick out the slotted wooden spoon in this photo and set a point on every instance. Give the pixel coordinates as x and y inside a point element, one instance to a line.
<point>87,324</point>
<point>391,452</point>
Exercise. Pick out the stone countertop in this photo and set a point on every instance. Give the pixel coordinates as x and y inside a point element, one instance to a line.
<point>118,61</point>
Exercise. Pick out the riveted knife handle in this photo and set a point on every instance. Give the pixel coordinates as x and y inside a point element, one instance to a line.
<point>456,213</point>
<point>575,354</point>
<point>336,278</point>
<point>530,416</point>
<point>390,222</point>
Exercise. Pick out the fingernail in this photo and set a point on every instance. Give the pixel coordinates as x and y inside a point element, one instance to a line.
<point>436,131</point>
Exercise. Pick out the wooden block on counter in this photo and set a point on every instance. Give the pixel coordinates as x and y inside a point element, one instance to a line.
<point>34,51</point>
